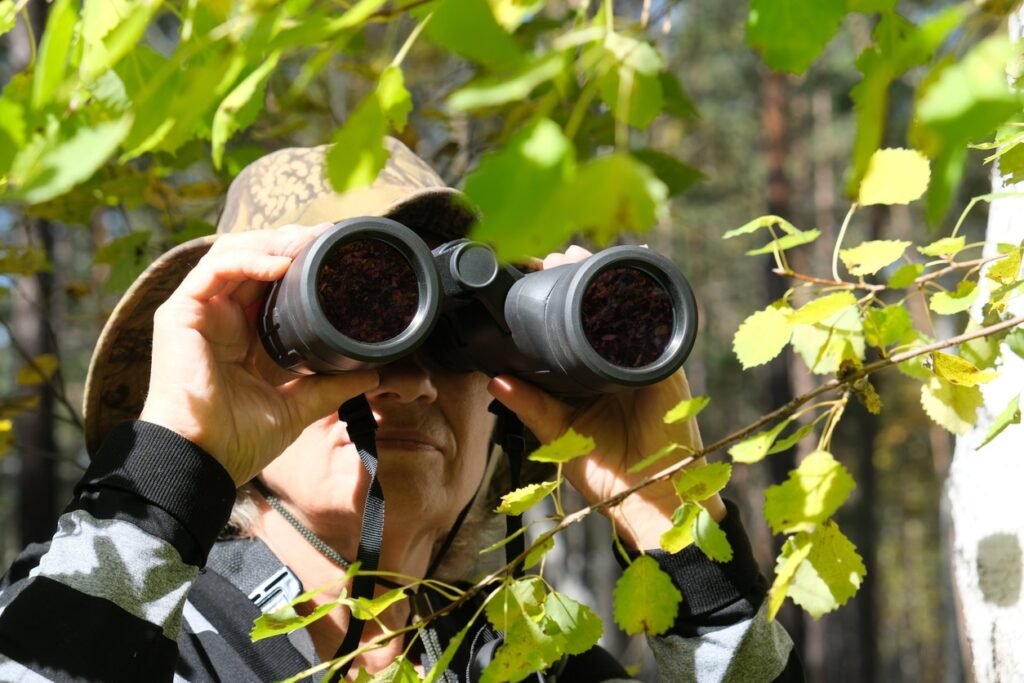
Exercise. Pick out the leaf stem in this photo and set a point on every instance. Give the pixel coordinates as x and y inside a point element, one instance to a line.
<point>839,241</point>
<point>407,45</point>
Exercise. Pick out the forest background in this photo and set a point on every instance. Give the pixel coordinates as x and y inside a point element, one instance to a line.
<point>122,123</point>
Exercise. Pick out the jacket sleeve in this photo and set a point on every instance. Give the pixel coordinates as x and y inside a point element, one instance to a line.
<point>105,601</point>
<point>722,632</point>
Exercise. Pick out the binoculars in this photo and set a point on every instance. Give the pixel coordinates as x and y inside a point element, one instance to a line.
<point>370,291</point>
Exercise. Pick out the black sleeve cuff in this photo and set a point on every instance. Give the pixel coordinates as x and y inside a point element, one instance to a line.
<point>167,472</point>
<point>708,586</point>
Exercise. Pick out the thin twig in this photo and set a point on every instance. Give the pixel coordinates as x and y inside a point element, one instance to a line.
<point>952,267</point>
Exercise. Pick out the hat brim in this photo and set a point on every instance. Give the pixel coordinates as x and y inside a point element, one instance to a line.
<point>118,377</point>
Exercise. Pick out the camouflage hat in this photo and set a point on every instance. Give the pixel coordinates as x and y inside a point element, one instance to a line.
<point>284,187</point>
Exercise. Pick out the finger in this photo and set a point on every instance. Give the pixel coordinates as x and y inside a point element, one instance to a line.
<point>543,414</point>
<point>222,272</point>
<point>553,260</point>
<point>315,396</point>
<point>287,240</point>
<point>577,253</point>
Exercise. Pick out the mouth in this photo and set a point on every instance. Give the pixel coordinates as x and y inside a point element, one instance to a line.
<point>406,440</point>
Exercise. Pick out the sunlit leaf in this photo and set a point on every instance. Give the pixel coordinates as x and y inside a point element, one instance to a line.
<point>790,34</point>
<point>8,16</point>
<point>515,609</point>
<point>956,370</point>
<point>761,223</point>
<point>785,242</point>
<point>522,499</point>
<point>695,484</point>
<point>951,406</point>
<point>680,534</point>
<point>646,600</point>
<point>469,29</point>
<point>246,97</point>
<point>946,247</point>
<point>906,275</point>
<point>686,409</point>
<point>754,448</point>
<point>1010,415</point>
<point>537,552</point>
<point>819,309</point>
<point>761,337</point>
<point>791,439</point>
<point>894,176</point>
<point>870,257</point>
<point>39,371</point>
<point>886,326</point>
<point>496,90</point>
<point>663,452</point>
<point>831,574</point>
<point>813,492</point>
<point>634,74</point>
<point>567,447</point>
<point>948,303</point>
<point>794,552</point>
<point>370,608</point>
<point>824,345</point>
<point>576,626</point>
<point>1006,270</point>
<point>54,52</point>
<point>710,538</point>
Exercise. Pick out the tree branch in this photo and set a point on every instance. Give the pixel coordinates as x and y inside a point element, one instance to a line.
<point>952,267</point>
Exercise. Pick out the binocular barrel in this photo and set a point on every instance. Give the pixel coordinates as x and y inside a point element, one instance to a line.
<point>370,291</point>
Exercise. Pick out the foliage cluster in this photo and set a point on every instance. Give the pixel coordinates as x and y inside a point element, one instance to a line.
<point>105,114</point>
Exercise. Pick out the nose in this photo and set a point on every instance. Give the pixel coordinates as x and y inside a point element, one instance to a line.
<point>405,381</point>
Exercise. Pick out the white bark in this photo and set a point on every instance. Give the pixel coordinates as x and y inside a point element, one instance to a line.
<point>986,492</point>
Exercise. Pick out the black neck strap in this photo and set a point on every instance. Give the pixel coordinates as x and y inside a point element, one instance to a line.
<point>511,436</point>
<point>362,429</point>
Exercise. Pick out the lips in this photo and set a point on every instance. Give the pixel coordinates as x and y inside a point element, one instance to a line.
<point>406,440</point>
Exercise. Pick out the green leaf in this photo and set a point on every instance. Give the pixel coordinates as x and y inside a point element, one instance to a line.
<point>110,29</point>
<point>662,452</point>
<point>791,439</point>
<point>39,372</point>
<point>819,309</point>
<point>1014,340</point>
<point>286,620</point>
<point>401,670</point>
<point>948,303</point>
<point>946,247</point>
<point>824,345</point>
<point>675,101</point>
<point>12,132</point>
<point>395,100</point>
<point>538,551</point>
<point>126,257</point>
<point>239,109</point>
<point>686,409</point>
<point>695,484</point>
<point>522,499</point>
<point>1006,270</point>
<point>906,275</point>
<point>515,87</point>
<point>574,624</point>
<point>54,49</point>
<point>787,242</point>
<point>358,153</point>
<point>537,163</point>
<point>681,533</point>
<point>72,161</point>
<point>632,86</point>
<point>790,34</point>
<point>813,492</point>
<point>677,176</point>
<point>760,223</point>
<point>761,337</point>
<point>365,608</point>
<point>516,609</point>
<point>894,176</point>
<point>646,600</point>
<point>754,448</point>
<point>1009,416</point>
<point>950,406</point>
<point>568,446</point>
<point>8,16</point>
<point>794,552</point>
<point>468,28</point>
<point>710,538</point>
<point>956,370</point>
<point>831,574</point>
<point>886,326</point>
<point>870,257</point>
<point>870,6</point>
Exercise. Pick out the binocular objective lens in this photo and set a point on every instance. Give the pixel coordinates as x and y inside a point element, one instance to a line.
<point>368,290</point>
<point>627,317</point>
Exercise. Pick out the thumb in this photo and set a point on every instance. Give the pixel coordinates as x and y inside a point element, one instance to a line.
<point>543,414</point>
<point>315,396</point>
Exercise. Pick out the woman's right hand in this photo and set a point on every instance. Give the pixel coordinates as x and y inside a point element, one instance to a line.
<point>210,381</point>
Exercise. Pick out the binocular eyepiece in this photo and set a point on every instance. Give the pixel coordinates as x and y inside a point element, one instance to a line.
<point>370,291</point>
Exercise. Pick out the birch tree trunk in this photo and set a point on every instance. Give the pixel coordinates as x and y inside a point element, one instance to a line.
<point>985,489</point>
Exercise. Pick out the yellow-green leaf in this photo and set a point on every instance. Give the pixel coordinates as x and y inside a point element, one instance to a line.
<point>1005,270</point>
<point>681,533</point>
<point>364,608</point>
<point>831,574</point>
<point>538,551</point>
<point>6,436</point>
<point>1009,416</point>
<point>756,447</point>
<point>567,447</point>
<point>794,552</point>
<point>646,600</point>
<point>761,337</point>
<point>8,16</point>
<point>946,247</point>
<point>894,176</point>
<point>573,623</point>
<point>825,345</point>
<point>951,406</point>
<point>870,257</point>
<point>39,371</point>
<point>686,409</point>
<point>695,484</point>
<point>710,538</point>
<point>760,223</point>
<point>956,370</point>
<point>226,120</point>
<point>948,303</point>
<point>906,275</point>
<point>819,309</point>
<point>662,452</point>
<point>813,492</point>
<point>522,499</point>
